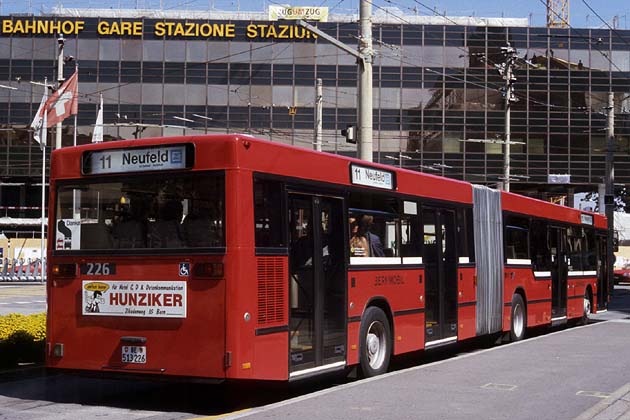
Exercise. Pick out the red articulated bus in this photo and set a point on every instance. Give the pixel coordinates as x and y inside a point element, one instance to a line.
<point>224,257</point>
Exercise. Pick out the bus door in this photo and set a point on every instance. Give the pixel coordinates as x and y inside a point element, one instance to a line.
<point>559,272</point>
<point>440,261</point>
<point>317,332</point>
<point>602,273</point>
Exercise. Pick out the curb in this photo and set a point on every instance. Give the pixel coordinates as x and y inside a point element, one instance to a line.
<point>613,407</point>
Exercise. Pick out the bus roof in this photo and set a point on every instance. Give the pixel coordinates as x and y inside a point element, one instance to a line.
<point>242,151</point>
<point>530,206</point>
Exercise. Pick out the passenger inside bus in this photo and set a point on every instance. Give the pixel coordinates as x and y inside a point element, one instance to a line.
<point>197,228</point>
<point>128,227</point>
<point>374,241</point>
<point>165,232</point>
<point>359,245</point>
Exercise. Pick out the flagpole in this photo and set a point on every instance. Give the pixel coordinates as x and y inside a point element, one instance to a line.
<point>76,206</point>
<point>42,145</point>
<point>76,213</point>
<point>43,241</point>
<point>75,130</point>
<point>76,69</point>
<point>60,80</point>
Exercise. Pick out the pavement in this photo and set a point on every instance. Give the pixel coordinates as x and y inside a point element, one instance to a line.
<point>617,406</point>
<point>552,376</point>
<point>570,373</point>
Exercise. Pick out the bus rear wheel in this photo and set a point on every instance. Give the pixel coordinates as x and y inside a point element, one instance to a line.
<point>518,323</point>
<point>587,308</point>
<point>375,345</point>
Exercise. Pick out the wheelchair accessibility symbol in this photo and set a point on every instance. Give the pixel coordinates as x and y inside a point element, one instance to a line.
<point>184,269</point>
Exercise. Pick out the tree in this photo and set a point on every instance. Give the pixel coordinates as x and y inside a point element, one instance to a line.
<point>622,199</point>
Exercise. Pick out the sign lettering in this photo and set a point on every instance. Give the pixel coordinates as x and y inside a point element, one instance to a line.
<point>135,160</point>
<point>163,29</point>
<point>42,27</point>
<point>371,177</point>
<point>307,13</point>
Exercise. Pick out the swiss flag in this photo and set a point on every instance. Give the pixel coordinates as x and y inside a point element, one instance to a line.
<point>64,102</point>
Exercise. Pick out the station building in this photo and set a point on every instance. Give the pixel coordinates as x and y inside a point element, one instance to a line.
<point>437,93</point>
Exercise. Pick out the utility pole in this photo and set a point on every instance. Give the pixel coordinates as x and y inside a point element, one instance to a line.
<point>365,58</point>
<point>506,70</point>
<point>318,114</point>
<point>609,198</point>
<point>365,82</point>
<point>60,80</point>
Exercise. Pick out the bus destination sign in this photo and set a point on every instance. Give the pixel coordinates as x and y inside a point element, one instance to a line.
<point>586,219</point>
<point>137,160</point>
<point>370,177</point>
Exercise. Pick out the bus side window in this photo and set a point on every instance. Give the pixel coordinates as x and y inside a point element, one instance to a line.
<point>366,238</point>
<point>576,239</point>
<point>410,234</point>
<point>590,251</point>
<point>465,232</point>
<point>269,225</point>
<point>541,255</point>
<point>516,238</point>
<point>378,220</point>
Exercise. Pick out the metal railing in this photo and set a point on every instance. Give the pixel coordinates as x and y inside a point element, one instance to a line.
<point>22,270</point>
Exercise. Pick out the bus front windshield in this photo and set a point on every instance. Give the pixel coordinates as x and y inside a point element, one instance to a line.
<point>141,212</point>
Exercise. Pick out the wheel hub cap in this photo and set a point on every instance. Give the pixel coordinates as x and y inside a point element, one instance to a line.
<point>372,345</point>
<point>587,306</point>
<point>518,320</point>
<point>375,344</point>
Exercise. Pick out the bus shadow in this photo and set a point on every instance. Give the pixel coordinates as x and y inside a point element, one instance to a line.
<point>173,397</point>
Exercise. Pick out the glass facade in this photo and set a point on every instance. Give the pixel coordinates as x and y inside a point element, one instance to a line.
<point>436,91</point>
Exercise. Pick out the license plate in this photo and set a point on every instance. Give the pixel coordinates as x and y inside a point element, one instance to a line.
<point>134,354</point>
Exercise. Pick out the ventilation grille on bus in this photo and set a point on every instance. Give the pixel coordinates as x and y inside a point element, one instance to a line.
<point>271,293</point>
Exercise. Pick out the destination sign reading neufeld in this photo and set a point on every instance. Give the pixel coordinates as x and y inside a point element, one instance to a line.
<point>135,160</point>
<point>371,177</point>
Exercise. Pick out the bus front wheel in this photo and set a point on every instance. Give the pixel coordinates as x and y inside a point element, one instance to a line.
<point>375,344</point>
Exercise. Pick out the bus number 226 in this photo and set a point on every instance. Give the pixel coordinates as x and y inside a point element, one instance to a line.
<point>98,269</point>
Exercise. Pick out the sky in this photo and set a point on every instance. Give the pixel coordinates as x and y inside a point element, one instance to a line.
<point>580,15</point>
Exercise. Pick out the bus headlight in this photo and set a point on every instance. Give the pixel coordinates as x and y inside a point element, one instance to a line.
<point>64,270</point>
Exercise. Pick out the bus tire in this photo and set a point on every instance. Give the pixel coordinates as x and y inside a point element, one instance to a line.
<point>375,345</point>
<point>518,318</point>
<point>587,308</point>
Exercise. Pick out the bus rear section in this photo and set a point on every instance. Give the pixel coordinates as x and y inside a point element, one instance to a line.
<point>136,274</point>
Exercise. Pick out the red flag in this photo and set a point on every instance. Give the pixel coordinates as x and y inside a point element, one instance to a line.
<point>64,102</point>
